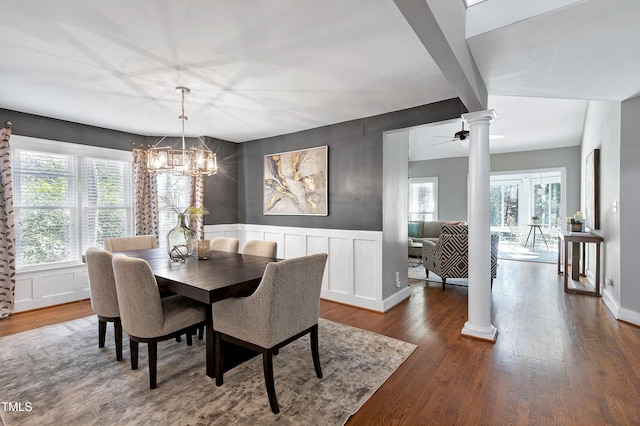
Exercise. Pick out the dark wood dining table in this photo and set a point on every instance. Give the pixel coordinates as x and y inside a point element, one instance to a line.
<point>223,275</point>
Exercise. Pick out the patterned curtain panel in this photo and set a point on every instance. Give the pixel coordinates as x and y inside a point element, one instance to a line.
<point>197,200</point>
<point>7,236</point>
<point>145,189</point>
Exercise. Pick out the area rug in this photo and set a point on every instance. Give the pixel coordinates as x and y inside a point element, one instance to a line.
<point>57,375</point>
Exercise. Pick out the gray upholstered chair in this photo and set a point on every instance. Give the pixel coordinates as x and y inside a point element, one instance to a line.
<point>225,244</point>
<point>138,242</point>
<point>284,307</point>
<point>104,299</point>
<point>145,316</point>
<point>260,248</point>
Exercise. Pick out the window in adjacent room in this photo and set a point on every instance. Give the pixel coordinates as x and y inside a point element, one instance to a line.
<point>423,198</point>
<point>503,210</point>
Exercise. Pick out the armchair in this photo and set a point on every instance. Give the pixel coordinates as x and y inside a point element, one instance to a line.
<point>449,256</point>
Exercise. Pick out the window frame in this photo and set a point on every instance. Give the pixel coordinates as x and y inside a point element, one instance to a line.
<point>430,179</point>
<point>78,152</point>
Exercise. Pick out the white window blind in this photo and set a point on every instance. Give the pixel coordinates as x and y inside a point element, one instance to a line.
<point>106,201</point>
<point>44,207</point>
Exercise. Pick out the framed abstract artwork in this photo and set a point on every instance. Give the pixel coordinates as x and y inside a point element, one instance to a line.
<point>295,182</point>
<point>592,190</point>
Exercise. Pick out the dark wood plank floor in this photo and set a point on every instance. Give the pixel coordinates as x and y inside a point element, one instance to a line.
<point>559,358</point>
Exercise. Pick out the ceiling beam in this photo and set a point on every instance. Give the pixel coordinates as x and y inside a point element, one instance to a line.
<point>440,26</point>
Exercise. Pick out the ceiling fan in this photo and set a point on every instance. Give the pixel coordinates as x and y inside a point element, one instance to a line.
<point>458,136</point>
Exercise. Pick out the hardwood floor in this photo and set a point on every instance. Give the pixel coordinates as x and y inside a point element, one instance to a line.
<point>559,358</point>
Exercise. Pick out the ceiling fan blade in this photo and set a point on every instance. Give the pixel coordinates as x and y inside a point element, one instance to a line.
<point>440,143</point>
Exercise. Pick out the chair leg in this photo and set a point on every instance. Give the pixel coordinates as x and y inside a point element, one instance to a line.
<point>219,359</point>
<point>153,364</point>
<point>102,332</point>
<point>267,365</point>
<point>178,339</point>
<point>189,339</point>
<point>444,282</point>
<point>133,348</point>
<point>315,353</point>
<point>117,327</point>
<point>200,332</point>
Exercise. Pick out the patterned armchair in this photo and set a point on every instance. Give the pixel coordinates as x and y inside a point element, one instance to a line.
<point>449,256</point>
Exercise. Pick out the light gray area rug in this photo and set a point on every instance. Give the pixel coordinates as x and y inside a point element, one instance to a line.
<point>67,380</point>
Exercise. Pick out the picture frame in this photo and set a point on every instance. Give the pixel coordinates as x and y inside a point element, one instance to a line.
<point>592,190</point>
<point>295,182</point>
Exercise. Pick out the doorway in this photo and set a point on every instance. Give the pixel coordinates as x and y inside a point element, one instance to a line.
<point>527,209</point>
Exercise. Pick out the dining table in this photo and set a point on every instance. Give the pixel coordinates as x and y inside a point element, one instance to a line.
<point>221,276</point>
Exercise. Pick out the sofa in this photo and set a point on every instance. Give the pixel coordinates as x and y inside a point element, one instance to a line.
<point>448,257</point>
<point>425,230</point>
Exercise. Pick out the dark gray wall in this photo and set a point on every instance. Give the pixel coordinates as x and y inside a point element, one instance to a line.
<point>221,190</point>
<point>355,167</point>
<point>452,176</point>
<point>37,126</point>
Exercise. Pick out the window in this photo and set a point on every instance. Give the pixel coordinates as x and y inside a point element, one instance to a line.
<point>177,189</point>
<point>547,203</point>
<point>423,199</point>
<point>106,195</point>
<point>504,203</point>
<point>67,198</point>
<point>517,197</point>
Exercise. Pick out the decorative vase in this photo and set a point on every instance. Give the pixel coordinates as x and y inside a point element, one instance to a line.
<point>181,241</point>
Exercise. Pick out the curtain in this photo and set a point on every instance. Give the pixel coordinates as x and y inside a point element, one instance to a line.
<point>7,235</point>
<point>197,200</point>
<point>145,188</point>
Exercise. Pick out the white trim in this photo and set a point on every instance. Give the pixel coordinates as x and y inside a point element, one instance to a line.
<point>613,306</point>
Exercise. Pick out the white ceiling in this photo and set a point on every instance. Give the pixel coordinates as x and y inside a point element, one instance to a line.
<point>261,68</point>
<point>255,68</point>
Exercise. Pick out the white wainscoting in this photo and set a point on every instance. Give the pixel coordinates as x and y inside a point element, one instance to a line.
<point>354,268</point>
<point>353,275</point>
<point>48,287</point>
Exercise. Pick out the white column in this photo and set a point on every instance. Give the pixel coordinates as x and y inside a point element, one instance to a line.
<point>479,323</point>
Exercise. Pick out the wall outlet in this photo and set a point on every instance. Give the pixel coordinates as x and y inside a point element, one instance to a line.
<point>398,279</point>
<point>609,281</point>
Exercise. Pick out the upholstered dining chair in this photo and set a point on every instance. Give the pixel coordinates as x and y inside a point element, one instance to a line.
<point>225,244</point>
<point>260,248</point>
<point>104,299</point>
<point>284,307</point>
<point>138,242</point>
<point>145,316</point>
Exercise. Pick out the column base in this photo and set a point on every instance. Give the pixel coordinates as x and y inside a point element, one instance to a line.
<point>489,334</point>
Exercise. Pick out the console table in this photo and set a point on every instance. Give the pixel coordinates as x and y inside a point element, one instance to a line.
<point>577,239</point>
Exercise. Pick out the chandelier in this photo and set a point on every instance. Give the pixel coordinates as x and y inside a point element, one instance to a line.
<point>192,161</point>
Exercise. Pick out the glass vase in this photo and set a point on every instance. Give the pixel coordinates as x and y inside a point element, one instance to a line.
<point>181,241</point>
